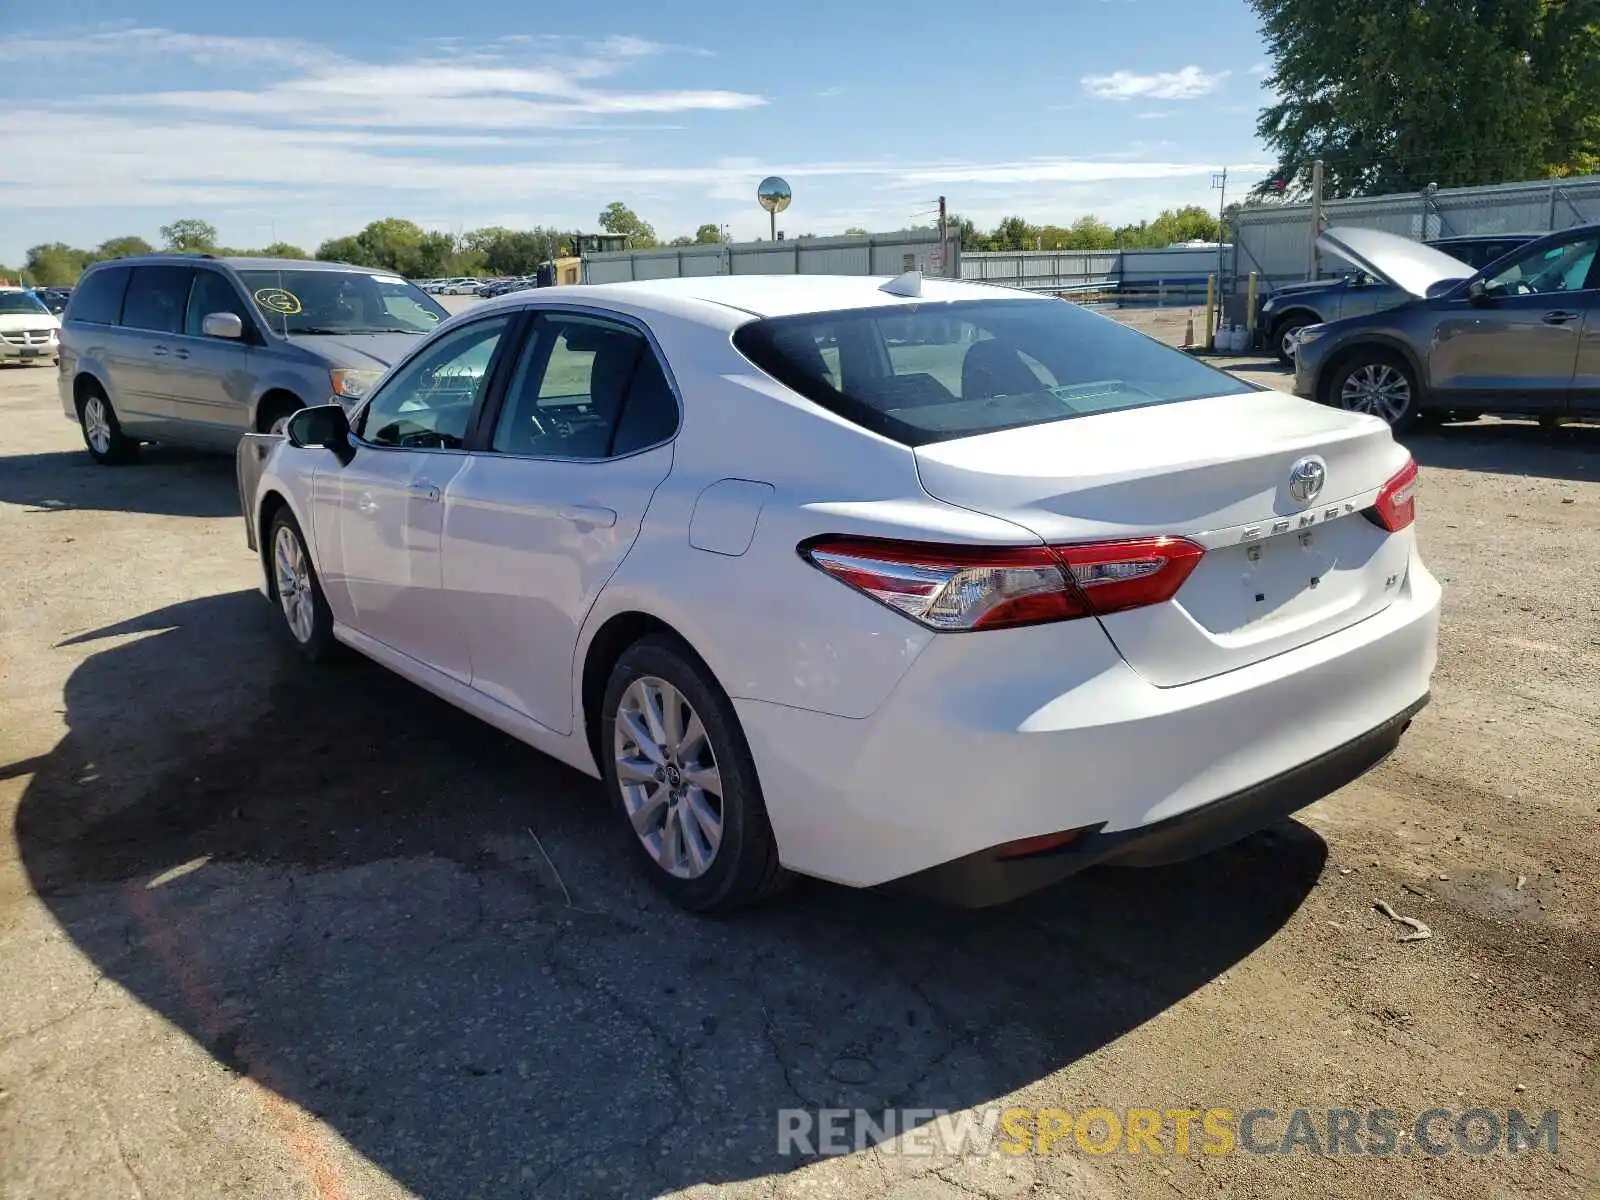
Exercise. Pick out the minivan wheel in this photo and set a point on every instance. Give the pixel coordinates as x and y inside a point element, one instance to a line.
<point>276,417</point>
<point>1378,382</point>
<point>679,771</point>
<point>102,434</point>
<point>298,591</point>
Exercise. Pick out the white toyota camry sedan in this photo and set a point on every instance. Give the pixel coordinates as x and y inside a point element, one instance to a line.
<point>910,582</point>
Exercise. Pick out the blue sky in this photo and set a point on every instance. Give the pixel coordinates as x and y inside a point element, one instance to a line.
<point>304,120</point>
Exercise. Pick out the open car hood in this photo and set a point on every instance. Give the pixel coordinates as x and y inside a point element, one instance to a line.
<point>1409,266</point>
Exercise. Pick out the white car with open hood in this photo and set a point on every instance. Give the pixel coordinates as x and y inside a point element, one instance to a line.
<point>910,582</point>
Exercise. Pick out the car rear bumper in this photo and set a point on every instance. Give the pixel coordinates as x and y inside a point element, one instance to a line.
<point>1011,734</point>
<point>989,877</point>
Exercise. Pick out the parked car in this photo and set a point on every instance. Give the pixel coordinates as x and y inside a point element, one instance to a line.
<point>29,331</point>
<point>54,298</point>
<point>1289,309</point>
<point>463,287</point>
<point>1025,592</point>
<point>199,350</point>
<point>1522,335</point>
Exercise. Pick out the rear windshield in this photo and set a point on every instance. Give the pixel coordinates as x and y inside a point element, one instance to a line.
<point>340,302</point>
<point>934,372</point>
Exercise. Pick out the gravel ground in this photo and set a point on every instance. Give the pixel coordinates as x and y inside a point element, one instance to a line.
<point>273,931</point>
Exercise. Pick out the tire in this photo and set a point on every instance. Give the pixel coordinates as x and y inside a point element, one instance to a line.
<point>703,786</point>
<point>102,432</point>
<point>306,616</point>
<point>274,416</point>
<point>1281,333</point>
<point>1377,381</point>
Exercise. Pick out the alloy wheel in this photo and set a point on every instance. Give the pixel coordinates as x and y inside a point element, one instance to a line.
<point>97,425</point>
<point>1379,389</point>
<point>671,787</point>
<point>293,576</point>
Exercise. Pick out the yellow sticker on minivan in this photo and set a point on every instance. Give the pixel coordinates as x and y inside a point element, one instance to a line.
<point>279,300</point>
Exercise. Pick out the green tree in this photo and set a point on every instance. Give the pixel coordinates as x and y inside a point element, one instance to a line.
<point>281,250</point>
<point>1395,94</point>
<point>855,231</point>
<point>188,233</point>
<point>122,247</point>
<point>619,218</point>
<point>1014,233</point>
<point>512,251</point>
<point>346,249</point>
<point>55,264</point>
<point>708,235</point>
<point>681,240</point>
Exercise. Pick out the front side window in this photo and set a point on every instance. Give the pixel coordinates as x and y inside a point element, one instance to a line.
<point>428,404</point>
<point>585,388</point>
<point>212,293</point>
<point>156,299</point>
<point>1564,267</point>
<point>333,302</point>
<point>922,373</point>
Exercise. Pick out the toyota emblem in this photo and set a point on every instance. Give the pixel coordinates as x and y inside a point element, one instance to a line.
<point>1306,478</point>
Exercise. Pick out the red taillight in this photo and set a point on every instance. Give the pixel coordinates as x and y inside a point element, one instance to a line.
<point>959,588</point>
<point>1396,506</point>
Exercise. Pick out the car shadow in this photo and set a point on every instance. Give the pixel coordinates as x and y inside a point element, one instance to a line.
<point>1510,447</point>
<point>166,481</point>
<point>433,939</point>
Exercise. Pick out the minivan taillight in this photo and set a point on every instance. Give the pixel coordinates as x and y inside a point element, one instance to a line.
<point>1396,506</point>
<point>959,588</point>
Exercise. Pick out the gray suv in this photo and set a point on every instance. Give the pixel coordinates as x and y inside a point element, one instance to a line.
<point>1520,336</point>
<point>200,350</point>
<point>1292,307</point>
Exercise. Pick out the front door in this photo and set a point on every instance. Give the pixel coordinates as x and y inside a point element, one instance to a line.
<point>1517,346</point>
<point>542,515</point>
<point>380,516</point>
<point>212,392</point>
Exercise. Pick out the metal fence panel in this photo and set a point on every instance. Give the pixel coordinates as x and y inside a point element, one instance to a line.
<point>877,254</point>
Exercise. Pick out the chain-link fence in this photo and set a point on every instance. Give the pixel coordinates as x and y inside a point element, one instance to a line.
<point>1275,241</point>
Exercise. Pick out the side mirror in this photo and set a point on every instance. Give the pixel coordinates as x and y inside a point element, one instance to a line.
<point>1477,292</point>
<point>326,427</point>
<point>222,325</point>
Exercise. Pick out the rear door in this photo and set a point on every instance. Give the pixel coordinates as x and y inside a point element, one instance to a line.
<point>544,510</point>
<point>141,355</point>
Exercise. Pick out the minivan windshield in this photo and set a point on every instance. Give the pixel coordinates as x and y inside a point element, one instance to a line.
<point>340,302</point>
<point>933,372</point>
<point>12,303</point>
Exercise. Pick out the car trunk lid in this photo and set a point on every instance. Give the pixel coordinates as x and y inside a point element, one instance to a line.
<point>1278,572</point>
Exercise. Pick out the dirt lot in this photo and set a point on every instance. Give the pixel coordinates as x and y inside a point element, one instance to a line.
<point>273,931</point>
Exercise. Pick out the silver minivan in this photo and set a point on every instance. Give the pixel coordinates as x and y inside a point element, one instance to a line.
<point>200,350</point>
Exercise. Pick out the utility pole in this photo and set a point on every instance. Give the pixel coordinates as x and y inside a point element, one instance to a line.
<point>1316,218</point>
<point>1220,181</point>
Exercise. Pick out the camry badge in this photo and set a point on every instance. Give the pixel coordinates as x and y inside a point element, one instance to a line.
<point>1306,478</point>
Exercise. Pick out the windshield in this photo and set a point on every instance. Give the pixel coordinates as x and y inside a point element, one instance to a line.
<point>341,302</point>
<point>932,372</point>
<point>20,302</point>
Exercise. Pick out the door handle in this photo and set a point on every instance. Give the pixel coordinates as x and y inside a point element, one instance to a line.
<point>158,351</point>
<point>1560,317</point>
<point>590,514</point>
<point>423,490</point>
<point>180,353</point>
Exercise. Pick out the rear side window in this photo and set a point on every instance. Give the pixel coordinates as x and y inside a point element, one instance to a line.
<point>934,372</point>
<point>97,300</point>
<point>156,298</point>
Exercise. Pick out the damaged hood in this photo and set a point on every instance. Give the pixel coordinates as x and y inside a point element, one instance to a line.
<point>1409,266</point>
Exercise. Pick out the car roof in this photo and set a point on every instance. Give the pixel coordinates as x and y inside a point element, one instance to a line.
<point>780,295</point>
<point>239,263</point>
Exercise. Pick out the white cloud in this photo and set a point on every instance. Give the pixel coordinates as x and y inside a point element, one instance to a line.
<point>1259,68</point>
<point>1189,83</point>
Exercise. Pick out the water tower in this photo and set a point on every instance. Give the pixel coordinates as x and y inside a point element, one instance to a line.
<point>774,196</point>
